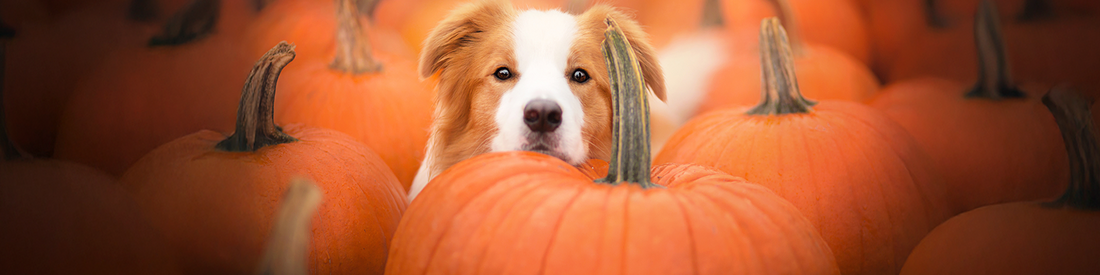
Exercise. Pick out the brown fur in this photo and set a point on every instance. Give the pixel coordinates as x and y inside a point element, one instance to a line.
<point>464,51</point>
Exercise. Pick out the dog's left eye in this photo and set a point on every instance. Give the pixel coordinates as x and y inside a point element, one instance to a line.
<point>580,76</point>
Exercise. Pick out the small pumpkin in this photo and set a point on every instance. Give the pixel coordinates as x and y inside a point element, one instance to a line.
<point>525,213</point>
<point>59,217</point>
<point>993,142</point>
<point>860,178</point>
<point>371,93</point>
<point>824,72</point>
<point>1036,237</point>
<point>139,99</point>
<point>214,196</point>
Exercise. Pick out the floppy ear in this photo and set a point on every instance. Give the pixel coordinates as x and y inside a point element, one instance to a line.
<point>461,28</point>
<point>639,42</point>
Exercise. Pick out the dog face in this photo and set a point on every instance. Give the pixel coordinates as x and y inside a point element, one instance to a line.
<point>524,80</point>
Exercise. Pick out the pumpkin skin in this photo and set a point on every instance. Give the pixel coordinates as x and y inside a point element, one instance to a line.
<point>836,24</point>
<point>387,108</point>
<point>857,176</point>
<point>1033,237</point>
<point>216,207</point>
<point>118,113</point>
<point>64,218</point>
<point>526,213</point>
<point>991,140</point>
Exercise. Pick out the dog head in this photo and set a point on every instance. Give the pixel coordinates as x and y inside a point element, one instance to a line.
<point>525,80</point>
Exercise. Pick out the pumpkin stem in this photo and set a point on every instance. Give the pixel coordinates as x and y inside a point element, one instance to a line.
<point>1035,10</point>
<point>630,126</point>
<point>1071,112</point>
<point>256,115</point>
<point>932,15</point>
<point>789,23</point>
<point>259,5</point>
<point>193,22</point>
<point>712,14</point>
<point>11,151</point>
<point>780,93</point>
<point>143,11</point>
<point>367,8</point>
<point>353,49</point>
<point>994,81</point>
<point>287,249</point>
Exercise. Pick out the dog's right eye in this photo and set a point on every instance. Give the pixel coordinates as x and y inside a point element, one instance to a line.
<point>503,73</point>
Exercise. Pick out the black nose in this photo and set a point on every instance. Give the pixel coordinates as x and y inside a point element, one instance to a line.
<point>542,115</point>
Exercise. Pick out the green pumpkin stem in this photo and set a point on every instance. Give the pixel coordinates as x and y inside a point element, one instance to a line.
<point>779,88</point>
<point>630,126</point>
<point>1071,112</point>
<point>932,15</point>
<point>11,151</point>
<point>287,249</point>
<point>143,10</point>
<point>256,115</point>
<point>193,22</point>
<point>787,20</point>
<point>712,14</point>
<point>994,80</point>
<point>353,48</point>
<point>1036,10</point>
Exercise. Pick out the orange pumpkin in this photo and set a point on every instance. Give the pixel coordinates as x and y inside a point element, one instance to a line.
<point>859,177</point>
<point>835,24</point>
<point>214,196</point>
<point>992,141</point>
<point>1056,237</point>
<point>524,212</point>
<point>140,99</point>
<point>824,73</point>
<point>368,92</point>
<point>59,217</point>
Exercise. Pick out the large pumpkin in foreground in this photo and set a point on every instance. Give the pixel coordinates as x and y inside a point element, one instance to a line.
<point>859,177</point>
<point>214,197</point>
<point>528,213</point>
<point>1056,237</point>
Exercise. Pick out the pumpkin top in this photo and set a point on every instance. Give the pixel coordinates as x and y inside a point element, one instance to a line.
<point>256,114</point>
<point>630,128</point>
<point>353,47</point>
<point>1071,112</point>
<point>287,249</point>
<point>193,22</point>
<point>780,93</point>
<point>994,80</point>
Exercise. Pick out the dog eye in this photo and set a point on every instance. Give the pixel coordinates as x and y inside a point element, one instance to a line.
<point>580,76</point>
<point>503,73</point>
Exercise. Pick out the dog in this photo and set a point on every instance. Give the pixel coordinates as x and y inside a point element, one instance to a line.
<point>530,80</point>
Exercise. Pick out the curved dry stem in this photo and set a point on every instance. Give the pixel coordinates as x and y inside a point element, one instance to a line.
<point>712,14</point>
<point>193,22</point>
<point>367,8</point>
<point>353,48</point>
<point>287,251</point>
<point>994,79</point>
<point>256,114</point>
<point>630,126</point>
<point>932,15</point>
<point>1071,112</point>
<point>779,88</point>
<point>789,23</point>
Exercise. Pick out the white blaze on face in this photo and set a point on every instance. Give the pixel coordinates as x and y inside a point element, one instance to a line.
<point>542,47</point>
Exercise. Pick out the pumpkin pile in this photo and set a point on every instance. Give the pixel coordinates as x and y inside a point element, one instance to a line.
<point>795,137</point>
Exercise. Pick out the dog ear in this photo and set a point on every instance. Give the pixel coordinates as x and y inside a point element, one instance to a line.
<point>461,28</point>
<point>639,42</point>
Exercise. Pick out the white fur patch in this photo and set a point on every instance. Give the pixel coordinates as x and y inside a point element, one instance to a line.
<point>542,46</point>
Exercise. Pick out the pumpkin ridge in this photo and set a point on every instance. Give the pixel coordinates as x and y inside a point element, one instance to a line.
<point>780,94</point>
<point>578,191</point>
<point>679,197</point>
<point>519,196</point>
<point>353,46</point>
<point>1072,114</point>
<point>256,114</point>
<point>994,76</point>
<point>193,22</point>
